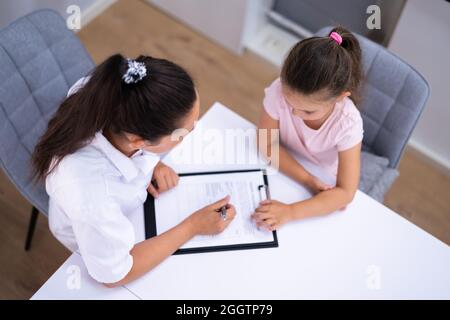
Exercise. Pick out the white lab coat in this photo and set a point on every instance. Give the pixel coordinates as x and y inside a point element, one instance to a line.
<point>91,193</point>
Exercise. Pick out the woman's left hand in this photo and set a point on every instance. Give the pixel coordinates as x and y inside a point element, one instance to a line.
<point>271,214</point>
<point>163,179</point>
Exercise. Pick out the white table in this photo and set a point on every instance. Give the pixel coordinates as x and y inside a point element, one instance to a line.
<point>366,251</point>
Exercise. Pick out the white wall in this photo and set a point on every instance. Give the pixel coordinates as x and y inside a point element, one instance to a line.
<point>422,38</point>
<point>221,21</point>
<point>227,22</point>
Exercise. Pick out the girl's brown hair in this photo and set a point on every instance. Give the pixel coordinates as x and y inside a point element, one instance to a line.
<point>320,63</point>
<point>150,108</point>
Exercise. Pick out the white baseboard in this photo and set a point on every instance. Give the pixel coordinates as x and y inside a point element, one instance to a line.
<point>430,156</point>
<point>94,10</point>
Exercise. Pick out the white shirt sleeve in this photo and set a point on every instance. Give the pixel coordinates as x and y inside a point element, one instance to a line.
<point>103,233</point>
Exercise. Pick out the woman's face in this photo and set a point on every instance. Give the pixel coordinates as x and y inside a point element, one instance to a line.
<point>170,141</point>
<point>310,107</point>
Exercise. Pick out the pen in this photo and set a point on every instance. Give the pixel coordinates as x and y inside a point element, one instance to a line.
<point>223,212</point>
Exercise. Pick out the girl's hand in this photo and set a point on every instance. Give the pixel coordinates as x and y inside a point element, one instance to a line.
<point>163,179</point>
<point>316,186</point>
<point>207,221</point>
<point>271,214</point>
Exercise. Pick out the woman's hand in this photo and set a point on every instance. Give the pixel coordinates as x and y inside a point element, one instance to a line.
<point>208,221</point>
<point>315,185</point>
<point>151,252</point>
<point>163,179</point>
<point>272,214</point>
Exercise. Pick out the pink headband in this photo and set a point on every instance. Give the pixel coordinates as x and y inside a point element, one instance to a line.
<point>336,37</point>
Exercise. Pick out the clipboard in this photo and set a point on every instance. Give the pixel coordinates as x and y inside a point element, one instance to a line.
<point>150,219</point>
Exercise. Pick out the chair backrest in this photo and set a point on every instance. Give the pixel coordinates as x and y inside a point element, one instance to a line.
<point>393,97</point>
<point>40,58</point>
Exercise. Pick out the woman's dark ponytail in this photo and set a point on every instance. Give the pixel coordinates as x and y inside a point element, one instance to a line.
<point>150,108</point>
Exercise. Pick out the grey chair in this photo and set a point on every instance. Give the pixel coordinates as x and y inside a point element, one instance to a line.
<point>393,97</point>
<point>39,60</point>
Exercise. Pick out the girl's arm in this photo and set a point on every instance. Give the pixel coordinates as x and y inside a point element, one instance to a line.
<point>287,164</point>
<point>151,252</point>
<point>271,214</point>
<point>338,197</point>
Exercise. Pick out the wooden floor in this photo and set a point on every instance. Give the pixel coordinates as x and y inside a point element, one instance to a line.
<point>421,194</point>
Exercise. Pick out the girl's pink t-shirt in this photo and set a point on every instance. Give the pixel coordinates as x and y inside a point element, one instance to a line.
<point>341,131</point>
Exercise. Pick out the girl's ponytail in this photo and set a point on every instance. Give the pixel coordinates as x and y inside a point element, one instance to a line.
<point>331,63</point>
<point>351,45</point>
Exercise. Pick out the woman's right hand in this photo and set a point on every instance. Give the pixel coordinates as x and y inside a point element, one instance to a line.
<point>207,221</point>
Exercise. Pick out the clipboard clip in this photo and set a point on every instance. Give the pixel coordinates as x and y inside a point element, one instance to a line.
<point>264,193</point>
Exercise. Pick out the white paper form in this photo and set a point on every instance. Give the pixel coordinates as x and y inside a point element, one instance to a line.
<point>196,191</point>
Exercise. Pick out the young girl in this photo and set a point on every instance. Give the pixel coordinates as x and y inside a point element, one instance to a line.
<point>99,154</point>
<point>311,104</point>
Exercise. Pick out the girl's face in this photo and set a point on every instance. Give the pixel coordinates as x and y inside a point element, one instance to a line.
<point>310,107</point>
